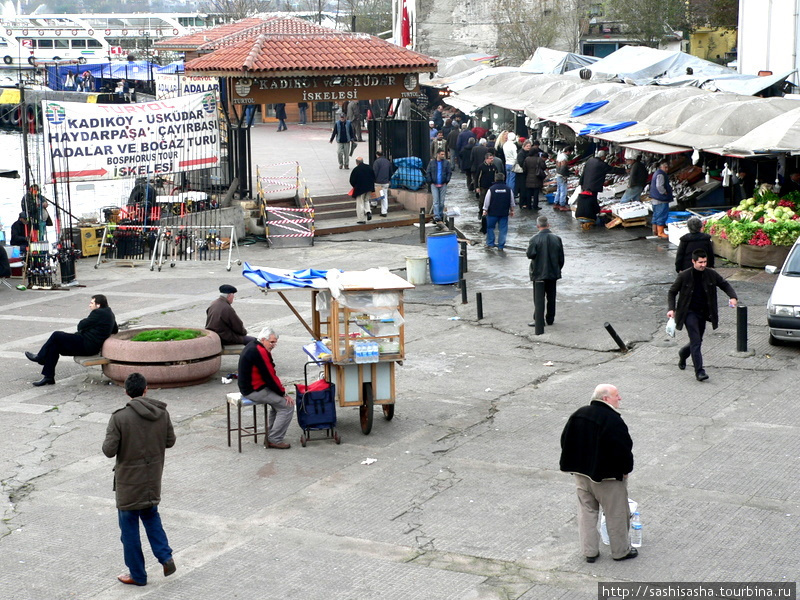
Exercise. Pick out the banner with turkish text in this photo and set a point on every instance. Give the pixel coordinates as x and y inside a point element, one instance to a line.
<point>115,141</point>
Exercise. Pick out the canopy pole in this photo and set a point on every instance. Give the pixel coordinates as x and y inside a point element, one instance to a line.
<point>297,314</point>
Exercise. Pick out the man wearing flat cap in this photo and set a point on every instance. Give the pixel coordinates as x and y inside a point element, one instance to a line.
<point>223,320</point>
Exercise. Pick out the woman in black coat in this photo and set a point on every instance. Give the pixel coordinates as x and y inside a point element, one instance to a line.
<point>692,241</point>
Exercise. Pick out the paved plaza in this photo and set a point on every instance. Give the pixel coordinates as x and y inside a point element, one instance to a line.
<point>465,500</point>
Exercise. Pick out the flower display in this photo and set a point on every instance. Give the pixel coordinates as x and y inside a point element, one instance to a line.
<point>763,220</point>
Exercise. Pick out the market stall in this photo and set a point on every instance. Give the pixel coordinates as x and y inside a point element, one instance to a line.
<point>357,326</point>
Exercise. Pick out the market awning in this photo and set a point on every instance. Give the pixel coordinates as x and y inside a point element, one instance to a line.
<point>656,147</point>
<point>778,135</point>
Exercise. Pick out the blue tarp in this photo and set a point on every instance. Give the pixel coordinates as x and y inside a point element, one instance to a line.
<point>586,108</point>
<point>603,128</point>
<point>273,279</point>
<point>173,67</point>
<point>137,70</point>
<point>409,174</point>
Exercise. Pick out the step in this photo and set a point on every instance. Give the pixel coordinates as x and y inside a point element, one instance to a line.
<point>402,218</point>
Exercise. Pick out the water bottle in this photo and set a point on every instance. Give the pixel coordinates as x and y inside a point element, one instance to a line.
<point>636,530</point>
<point>374,351</point>
<point>357,352</point>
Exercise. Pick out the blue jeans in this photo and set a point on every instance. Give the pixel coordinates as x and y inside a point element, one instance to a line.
<point>438,194</point>
<point>132,543</point>
<point>660,212</point>
<point>561,190</point>
<point>303,113</point>
<point>632,193</point>
<point>502,223</point>
<point>511,177</point>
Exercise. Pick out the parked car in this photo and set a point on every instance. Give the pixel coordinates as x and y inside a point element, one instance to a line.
<point>783,307</point>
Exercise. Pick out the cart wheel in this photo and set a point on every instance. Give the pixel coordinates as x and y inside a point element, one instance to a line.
<point>365,410</point>
<point>159,268</point>
<point>388,411</point>
<point>337,438</point>
<point>95,266</point>
<point>303,441</point>
<point>239,262</point>
<point>228,268</point>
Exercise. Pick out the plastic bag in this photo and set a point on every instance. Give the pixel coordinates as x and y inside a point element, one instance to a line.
<point>670,328</point>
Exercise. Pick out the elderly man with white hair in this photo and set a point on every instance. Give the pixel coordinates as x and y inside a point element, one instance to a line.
<point>597,450</point>
<point>510,151</point>
<point>259,382</point>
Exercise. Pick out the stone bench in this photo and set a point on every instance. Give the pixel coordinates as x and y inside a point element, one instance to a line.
<point>232,350</point>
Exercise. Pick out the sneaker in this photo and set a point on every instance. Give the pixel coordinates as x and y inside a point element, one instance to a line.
<point>369,216</point>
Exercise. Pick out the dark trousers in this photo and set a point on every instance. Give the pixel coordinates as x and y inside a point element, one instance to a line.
<point>524,196</point>
<point>533,198</point>
<point>57,345</point>
<point>132,542</point>
<point>550,300</point>
<point>695,326</point>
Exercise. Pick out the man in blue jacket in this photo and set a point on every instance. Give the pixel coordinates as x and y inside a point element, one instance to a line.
<point>344,134</point>
<point>438,175</point>
<point>497,207</point>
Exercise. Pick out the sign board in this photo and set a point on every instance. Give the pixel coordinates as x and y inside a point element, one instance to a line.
<point>116,141</point>
<point>328,88</point>
<point>115,50</point>
<point>172,85</point>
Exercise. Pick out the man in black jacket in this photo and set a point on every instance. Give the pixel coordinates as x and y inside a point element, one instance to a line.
<point>259,382</point>
<point>637,179</point>
<point>344,133</point>
<point>362,180</point>
<point>696,292</point>
<point>597,449</point>
<point>594,173</point>
<point>92,332</point>
<point>19,231</point>
<point>546,253</point>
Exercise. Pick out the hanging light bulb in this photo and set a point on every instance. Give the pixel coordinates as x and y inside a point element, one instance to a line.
<point>726,176</point>
<point>695,156</point>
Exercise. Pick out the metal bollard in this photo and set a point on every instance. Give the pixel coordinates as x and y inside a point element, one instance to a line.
<point>464,254</point>
<point>463,284</point>
<point>421,225</point>
<point>451,223</point>
<point>538,307</point>
<point>616,337</point>
<point>479,301</point>
<point>741,328</point>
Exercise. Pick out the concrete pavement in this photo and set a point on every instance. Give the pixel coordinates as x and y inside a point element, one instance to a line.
<point>465,500</point>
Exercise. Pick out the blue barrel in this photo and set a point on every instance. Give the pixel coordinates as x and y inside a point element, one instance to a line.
<point>443,257</point>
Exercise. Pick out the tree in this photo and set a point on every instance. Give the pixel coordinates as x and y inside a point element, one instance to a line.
<point>525,26</point>
<point>648,21</point>
<point>714,13</point>
<point>238,9</point>
<point>367,16</point>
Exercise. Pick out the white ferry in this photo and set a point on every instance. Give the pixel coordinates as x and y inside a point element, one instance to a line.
<point>92,37</point>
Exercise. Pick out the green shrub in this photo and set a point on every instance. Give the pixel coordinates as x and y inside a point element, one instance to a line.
<point>166,335</point>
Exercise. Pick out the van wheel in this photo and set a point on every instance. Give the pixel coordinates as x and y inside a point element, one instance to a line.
<point>8,60</point>
<point>31,60</point>
<point>773,341</point>
<point>56,58</point>
<point>82,60</point>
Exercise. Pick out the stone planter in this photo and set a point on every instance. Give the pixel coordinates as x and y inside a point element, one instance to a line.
<point>165,364</point>
<point>751,256</point>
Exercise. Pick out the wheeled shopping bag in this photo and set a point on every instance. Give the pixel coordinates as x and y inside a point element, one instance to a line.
<point>316,408</point>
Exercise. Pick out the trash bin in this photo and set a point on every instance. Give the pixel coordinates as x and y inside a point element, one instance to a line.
<point>417,269</point>
<point>443,256</point>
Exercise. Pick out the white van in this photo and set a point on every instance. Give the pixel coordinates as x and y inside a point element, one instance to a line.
<point>783,307</point>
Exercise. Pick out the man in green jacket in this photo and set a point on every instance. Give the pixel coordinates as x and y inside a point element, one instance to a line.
<point>138,436</point>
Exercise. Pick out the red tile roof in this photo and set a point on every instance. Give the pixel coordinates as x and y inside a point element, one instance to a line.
<point>293,46</point>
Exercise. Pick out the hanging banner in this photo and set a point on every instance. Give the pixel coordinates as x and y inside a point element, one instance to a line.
<point>170,85</point>
<point>116,141</point>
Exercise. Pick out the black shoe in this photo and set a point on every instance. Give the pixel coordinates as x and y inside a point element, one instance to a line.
<point>383,214</point>
<point>632,554</point>
<point>591,559</point>
<point>549,322</point>
<point>169,567</point>
<point>681,361</point>
<point>361,222</point>
<point>44,381</point>
<point>369,216</point>
<point>32,356</point>
<point>701,375</point>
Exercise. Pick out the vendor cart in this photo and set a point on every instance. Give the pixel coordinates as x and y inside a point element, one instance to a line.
<point>358,327</point>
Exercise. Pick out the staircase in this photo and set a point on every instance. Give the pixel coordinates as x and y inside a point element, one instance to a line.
<point>337,214</point>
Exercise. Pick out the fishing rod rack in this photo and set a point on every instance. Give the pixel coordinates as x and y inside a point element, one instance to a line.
<point>168,244</point>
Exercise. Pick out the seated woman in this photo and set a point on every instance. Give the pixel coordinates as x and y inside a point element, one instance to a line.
<point>587,210</point>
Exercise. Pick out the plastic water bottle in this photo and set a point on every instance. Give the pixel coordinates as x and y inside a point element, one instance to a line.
<point>373,351</point>
<point>636,530</point>
<point>357,353</point>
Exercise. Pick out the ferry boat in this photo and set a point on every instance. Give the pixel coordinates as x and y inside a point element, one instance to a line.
<point>92,37</point>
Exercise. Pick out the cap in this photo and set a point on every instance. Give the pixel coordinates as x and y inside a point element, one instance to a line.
<point>22,215</point>
<point>227,289</point>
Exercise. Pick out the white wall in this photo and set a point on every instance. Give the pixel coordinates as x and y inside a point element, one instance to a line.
<point>768,36</point>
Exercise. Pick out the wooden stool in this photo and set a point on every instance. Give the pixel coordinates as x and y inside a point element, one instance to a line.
<point>235,399</point>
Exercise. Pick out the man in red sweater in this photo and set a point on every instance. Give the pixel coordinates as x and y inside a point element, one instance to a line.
<point>259,382</point>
